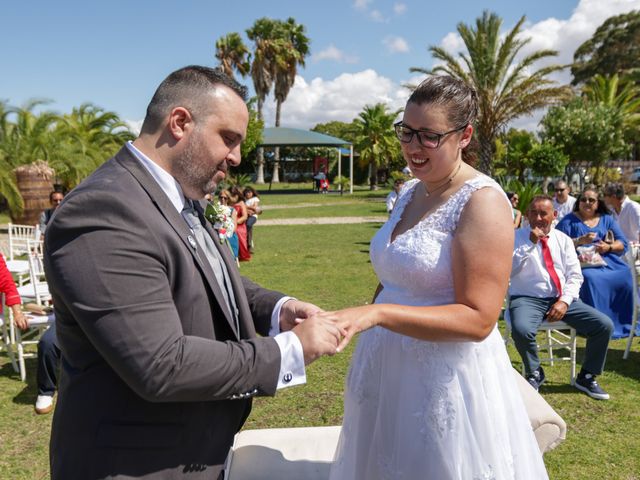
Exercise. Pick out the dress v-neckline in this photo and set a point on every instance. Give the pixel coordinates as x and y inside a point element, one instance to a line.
<point>410,195</point>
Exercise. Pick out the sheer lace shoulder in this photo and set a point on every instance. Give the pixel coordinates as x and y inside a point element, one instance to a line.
<point>446,217</point>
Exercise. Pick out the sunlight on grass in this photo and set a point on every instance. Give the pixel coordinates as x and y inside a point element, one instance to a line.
<point>329,265</point>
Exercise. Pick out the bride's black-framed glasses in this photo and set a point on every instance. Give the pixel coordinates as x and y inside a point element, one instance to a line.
<point>426,138</point>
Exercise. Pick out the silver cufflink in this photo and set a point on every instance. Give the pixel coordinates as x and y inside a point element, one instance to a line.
<point>192,241</point>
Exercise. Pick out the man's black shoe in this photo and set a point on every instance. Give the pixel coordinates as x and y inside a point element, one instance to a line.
<point>587,383</point>
<point>536,378</point>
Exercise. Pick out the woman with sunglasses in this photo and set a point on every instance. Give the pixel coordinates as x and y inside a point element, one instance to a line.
<point>607,288</point>
<point>431,392</point>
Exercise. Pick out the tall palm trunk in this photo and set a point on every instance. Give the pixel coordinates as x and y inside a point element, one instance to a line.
<point>486,154</point>
<point>275,178</point>
<point>373,175</point>
<point>260,153</point>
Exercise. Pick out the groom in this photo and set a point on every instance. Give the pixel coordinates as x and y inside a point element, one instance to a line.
<point>163,342</point>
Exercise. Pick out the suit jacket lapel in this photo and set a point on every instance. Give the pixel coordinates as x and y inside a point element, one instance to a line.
<point>175,220</point>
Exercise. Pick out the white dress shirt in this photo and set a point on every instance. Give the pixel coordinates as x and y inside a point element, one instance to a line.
<point>564,208</point>
<point>529,274</point>
<point>629,219</point>
<point>292,371</point>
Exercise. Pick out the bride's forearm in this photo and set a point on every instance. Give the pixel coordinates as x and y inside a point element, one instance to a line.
<point>455,322</point>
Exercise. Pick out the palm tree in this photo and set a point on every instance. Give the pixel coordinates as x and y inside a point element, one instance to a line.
<point>233,54</point>
<point>624,97</point>
<point>506,88</point>
<point>91,136</point>
<point>262,71</point>
<point>374,138</point>
<point>26,138</point>
<point>8,186</point>
<point>292,46</point>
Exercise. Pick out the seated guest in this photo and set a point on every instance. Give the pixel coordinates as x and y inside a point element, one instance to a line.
<point>48,350</point>
<point>517,215</point>
<point>607,287</point>
<point>545,285</point>
<point>55,198</point>
<point>625,211</point>
<point>11,296</point>
<point>393,195</point>
<point>563,202</point>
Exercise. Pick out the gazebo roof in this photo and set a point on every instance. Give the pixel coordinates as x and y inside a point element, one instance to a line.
<point>295,137</point>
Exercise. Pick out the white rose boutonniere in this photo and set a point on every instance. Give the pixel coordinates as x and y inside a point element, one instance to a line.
<point>220,217</point>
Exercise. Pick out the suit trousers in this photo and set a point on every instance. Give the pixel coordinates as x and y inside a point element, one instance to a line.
<point>527,313</point>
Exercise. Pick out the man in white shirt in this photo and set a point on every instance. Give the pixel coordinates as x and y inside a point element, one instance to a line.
<point>164,343</point>
<point>393,195</point>
<point>624,210</point>
<point>545,285</point>
<point>563,202</point>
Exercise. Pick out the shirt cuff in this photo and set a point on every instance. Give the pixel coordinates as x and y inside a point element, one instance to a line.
<point>292,370</point>
<point>566,299</point>
<point>275,316</point>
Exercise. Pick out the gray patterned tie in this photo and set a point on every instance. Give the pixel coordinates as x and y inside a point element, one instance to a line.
<point>205,243</point>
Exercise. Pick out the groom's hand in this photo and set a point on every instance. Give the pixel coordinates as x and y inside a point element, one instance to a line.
<point>294,312</point>
<point>318,336</point>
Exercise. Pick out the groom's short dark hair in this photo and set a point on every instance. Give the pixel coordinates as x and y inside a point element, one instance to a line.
<point>186,88</point>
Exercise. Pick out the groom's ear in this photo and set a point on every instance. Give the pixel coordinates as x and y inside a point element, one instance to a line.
<point>180,123</point>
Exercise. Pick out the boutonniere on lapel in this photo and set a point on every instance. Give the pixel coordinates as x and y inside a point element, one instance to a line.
<point>220,217</point>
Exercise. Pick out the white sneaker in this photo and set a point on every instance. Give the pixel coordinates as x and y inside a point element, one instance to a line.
<point>44,404</point>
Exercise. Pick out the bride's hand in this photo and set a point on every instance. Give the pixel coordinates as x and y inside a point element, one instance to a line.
<point>352,321</point>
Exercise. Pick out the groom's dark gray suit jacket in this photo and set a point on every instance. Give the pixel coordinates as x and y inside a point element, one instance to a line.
<point>151,356</point>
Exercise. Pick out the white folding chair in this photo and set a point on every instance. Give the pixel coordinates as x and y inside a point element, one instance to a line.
<point>37,326</point>
<point>19,235</point>
<point>632,260</point>
<point>37,290</point>
<point>6,332</point>
<point>557,336</point>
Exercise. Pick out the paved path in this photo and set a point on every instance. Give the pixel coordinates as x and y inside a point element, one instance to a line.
<point>306,205</point>
<point>321,220</point>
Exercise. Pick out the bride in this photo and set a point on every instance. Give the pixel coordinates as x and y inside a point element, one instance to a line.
<point>430,393</point>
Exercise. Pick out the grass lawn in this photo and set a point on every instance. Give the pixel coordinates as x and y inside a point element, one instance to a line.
<point>329,265</point>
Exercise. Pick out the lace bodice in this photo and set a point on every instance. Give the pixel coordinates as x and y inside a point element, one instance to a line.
<point>421,256</point>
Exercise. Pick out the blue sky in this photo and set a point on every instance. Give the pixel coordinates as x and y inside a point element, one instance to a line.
<point>115,53</point>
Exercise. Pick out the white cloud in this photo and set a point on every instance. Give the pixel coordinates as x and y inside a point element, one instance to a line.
<point>399,8</point>
<point>564,36</point>
<point>395,44</point>
<point>452,42</point>
<point>361,4</point>
<point>134,125</point>
<point>341,98</point>
<point>334,53</point>
<point>376,16</point>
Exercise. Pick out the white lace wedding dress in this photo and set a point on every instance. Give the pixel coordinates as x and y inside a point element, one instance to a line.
<point>431,410</point>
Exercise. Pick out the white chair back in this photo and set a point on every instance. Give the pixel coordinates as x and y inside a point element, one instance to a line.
<point>19,235</point>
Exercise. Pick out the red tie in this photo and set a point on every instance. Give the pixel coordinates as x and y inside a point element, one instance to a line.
<point>548,262</point>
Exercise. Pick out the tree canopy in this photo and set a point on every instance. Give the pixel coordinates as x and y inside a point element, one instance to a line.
<point>613,48</point>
